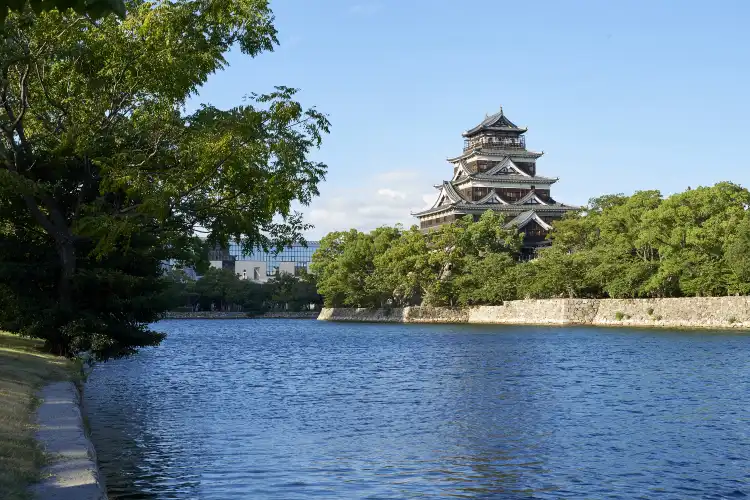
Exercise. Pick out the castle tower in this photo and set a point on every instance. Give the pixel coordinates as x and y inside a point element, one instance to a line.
<point>497,172</point>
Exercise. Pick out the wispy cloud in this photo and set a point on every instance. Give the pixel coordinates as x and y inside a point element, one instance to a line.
<point>384,199</point>
<point>365,9</point>
<point>391,194</point>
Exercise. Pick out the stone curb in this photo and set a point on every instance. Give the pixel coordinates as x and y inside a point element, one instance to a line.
<point>72,472</point>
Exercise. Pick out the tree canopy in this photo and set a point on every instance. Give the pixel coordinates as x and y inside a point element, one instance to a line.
<point>223,290</point>
<point>103,173</point>
<point>393,266</point>
<point>695,243</point>
<point>93,8</point>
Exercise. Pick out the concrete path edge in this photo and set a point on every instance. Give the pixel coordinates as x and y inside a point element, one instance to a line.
<point>71,472</point>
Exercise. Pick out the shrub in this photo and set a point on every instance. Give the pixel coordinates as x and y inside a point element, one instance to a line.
<point>619,315</point>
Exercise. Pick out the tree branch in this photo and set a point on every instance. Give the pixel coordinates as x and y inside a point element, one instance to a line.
<point>54,103</point>
<point>24,87</point>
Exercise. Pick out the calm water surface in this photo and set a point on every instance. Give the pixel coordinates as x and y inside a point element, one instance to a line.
<point>295,409</point>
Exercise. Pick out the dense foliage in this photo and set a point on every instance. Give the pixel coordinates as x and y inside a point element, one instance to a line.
<point>695,243</point>
<point>223,290</point>
<point>103,174</point>
<point>93,8</point>
<point>406,267</point>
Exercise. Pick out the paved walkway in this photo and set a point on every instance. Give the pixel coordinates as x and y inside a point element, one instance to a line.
<point>71,473</point>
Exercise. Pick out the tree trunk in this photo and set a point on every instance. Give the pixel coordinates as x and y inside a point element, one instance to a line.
<point>56,341</point>
<point>67,253</point>
<point>56,226</point>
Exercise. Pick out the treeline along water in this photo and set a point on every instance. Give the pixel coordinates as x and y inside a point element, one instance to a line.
<point>295,409</point>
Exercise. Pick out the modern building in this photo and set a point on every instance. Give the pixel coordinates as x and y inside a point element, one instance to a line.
<point>171,265</point>
<point>220,258</point>
<point>260,265</point>
<point>497,172</point>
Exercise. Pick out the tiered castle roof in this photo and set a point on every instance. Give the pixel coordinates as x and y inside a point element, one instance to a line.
<point>496,172</point>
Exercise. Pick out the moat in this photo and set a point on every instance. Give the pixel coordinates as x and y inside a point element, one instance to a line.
<point>297,409</point>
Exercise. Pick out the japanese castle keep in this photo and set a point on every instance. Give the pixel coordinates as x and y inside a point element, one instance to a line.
<point>497,172</point>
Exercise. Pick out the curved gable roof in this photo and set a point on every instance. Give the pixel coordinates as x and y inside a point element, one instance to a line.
<point>531,199</point>
<point>506,167</point>
<point>525,218</point>
<point>498,121</point>
<point>492,197</point>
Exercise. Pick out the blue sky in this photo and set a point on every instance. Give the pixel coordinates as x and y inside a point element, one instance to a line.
<point>620,96</point>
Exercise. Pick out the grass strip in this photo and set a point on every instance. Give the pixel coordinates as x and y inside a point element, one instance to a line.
<point>24,368</point>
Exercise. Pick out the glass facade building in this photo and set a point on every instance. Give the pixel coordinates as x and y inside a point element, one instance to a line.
<point>297,253</point>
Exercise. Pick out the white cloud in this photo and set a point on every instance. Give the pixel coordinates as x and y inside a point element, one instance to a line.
<point>365,9</point>
<point>373,204</point>
<point>391,194</point>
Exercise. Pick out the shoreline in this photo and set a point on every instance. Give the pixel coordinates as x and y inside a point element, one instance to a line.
<point>688,312</point>
<point>240,315</point>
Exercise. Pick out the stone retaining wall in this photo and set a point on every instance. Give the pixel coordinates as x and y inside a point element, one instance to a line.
<point>691,312</point>
<point>394,315</point>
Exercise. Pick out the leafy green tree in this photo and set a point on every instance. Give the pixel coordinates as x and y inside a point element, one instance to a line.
<point>94,8</point>
<point>180,289</point>
<point>555,274</point>
<point>488,280</point>
<point>690,231</point>
<point>453,246</point>
<point>95,149</point>
<point>489,235</point>
<point>251,297</point>
<point>218,289</point>
<point>694,243</point>
<point>116,295</point>
<point>342,266</point>
<point>644,246</point>
<point>293,293</point>
<point>325,266</point>
<point>402,272</point>
<point>737,256</point>
<point>625,256</point>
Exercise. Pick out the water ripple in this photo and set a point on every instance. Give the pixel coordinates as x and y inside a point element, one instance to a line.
<point>276,409</point>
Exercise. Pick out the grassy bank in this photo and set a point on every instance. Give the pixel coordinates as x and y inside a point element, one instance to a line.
<point>24,368</point>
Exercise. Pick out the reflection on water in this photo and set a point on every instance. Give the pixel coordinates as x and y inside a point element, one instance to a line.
<point>289,409</point>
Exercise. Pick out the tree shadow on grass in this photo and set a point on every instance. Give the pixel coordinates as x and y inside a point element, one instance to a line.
<point>24,368</point>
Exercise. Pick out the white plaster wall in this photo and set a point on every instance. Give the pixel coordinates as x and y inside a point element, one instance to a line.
<point>286,267</point>
<point>248,266</point>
